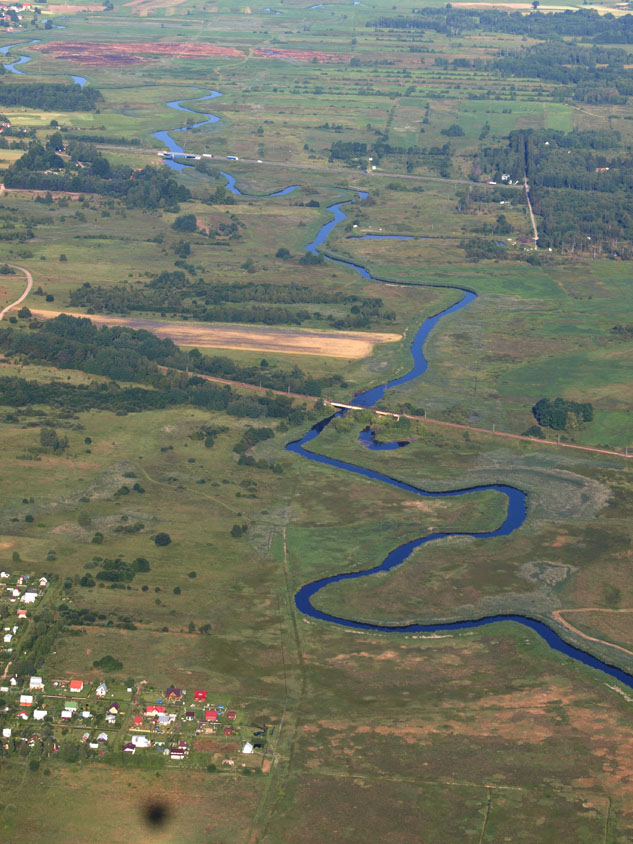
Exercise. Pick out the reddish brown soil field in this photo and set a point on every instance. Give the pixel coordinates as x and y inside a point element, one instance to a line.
<point>98,54</point>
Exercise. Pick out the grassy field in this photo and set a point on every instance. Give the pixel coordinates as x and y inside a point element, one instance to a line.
<point>483,735</point>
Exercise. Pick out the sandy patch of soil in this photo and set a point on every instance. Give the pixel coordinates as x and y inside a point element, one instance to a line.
<point>351,345</point>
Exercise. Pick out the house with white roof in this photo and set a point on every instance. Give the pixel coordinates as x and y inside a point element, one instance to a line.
<point>248,747</point>
<point>39,714</point>
<point>141,741</point>
<point>26,700</point>
<point>29,597</point>
<point>101,690</point>
<point>36,683</point>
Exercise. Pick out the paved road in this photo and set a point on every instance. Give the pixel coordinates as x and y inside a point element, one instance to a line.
<point>29,285</point>
<point>318,168</point>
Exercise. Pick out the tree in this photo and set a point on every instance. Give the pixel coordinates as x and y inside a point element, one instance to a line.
<point>162,539</point>
<point>283,253</point>
<point>24,313</point>
<point>55,142</point>
<point>49,438</point>
<point>185,223</point>
<point>535,4</point>
<point>236,531</point>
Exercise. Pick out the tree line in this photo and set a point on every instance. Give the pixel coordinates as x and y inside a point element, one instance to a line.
<point>50,96</point>
<point>127,354</point>
<point>450,21</point>
<point>250,302</point>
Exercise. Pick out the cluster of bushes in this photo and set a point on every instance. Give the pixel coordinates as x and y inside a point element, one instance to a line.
<point>113,570</point>
<point>41,168</point>
<point>560,413</point>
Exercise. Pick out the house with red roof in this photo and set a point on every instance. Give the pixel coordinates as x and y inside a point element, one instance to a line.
<point>153,709</point>
<point>138,720</point>
<point>200,695</point>
<point>211,715</point>
<point>228,731</point>
<point>230,716</point>
<point>76,685</point>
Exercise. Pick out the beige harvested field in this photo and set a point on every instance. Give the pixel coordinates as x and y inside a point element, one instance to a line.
<point>338,344</point>
<point>69,8</point>
<point>144,7</point>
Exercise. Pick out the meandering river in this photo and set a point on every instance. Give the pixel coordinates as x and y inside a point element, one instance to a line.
<point>516,499</point>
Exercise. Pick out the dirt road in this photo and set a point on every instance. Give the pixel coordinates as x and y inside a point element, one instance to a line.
<point>29,285</point>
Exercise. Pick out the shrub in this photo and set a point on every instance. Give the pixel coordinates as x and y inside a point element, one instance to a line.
<point>108,663</point>
<point>162,539</point>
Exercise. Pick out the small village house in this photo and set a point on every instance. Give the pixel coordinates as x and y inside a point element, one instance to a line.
<point>26,700</point>
<point>101,690</point>
<point>36,683</point>
<point>211,715</point>
<point>173,693</point>
<point>76,685</point>
<point>199,695</point>
<point>39,714</point>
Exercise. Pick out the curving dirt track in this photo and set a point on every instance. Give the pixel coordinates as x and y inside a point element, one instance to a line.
<point>27,290</point>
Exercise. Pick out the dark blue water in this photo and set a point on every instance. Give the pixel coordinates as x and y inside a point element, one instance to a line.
<point>80,80</point>
<point>166,138</point>
<point>12,66</point>
<point>516,499</point>
<point>367,438</point>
